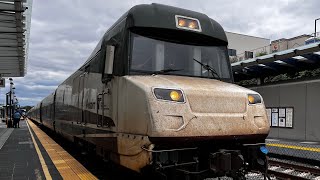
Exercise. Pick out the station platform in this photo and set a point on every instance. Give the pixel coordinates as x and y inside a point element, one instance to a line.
<point>299,149</point>
<point>28,153</point>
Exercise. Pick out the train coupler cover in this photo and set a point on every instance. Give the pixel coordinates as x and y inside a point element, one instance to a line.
<point>226,161</point>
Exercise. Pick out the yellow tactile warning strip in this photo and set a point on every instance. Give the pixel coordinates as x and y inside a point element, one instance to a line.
<point>295,147</point>
<point>42,161</point>
<point>68,167</point>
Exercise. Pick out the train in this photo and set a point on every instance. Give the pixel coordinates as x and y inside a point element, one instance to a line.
<point>156,96</point>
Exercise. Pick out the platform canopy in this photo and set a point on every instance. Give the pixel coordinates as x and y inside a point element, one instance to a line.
<point>15,18</point>
<point>298,59</point>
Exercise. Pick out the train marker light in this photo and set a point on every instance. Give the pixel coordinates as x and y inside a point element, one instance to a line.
<point>183,22</point>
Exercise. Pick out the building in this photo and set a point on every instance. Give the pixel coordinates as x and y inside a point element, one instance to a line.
<point>243,47</point>
<point>289,82</point>
<point>284,44</point>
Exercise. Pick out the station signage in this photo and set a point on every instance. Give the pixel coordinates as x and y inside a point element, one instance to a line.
<point>2,82</point>
<point>280,116</point>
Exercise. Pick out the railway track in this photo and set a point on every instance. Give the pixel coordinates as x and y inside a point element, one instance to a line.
<point>283,169</point>
<point>278,169</point>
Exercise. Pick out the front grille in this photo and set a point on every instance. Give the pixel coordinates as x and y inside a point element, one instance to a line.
<point>211,103</point>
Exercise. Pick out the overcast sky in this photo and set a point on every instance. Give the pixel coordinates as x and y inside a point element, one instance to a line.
<point>64,33</point>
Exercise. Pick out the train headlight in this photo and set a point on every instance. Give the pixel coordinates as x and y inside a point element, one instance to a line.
<point>175,96</point>
<point>182,23</point>
<point>169,94</point>
<point>193,25</point>
<point>189,23</point>
<point>254,98</point>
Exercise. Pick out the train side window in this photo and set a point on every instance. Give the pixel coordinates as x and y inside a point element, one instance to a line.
<point>95,64</point>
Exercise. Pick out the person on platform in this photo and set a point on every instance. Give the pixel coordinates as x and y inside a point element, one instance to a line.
<point>16,119</point>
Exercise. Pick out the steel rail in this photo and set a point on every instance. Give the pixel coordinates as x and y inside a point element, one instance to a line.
<point>282,175</point>
<point>294,167</point>
<point>297,167</point>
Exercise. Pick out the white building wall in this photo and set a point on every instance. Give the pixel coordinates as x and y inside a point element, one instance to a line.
<point>242,43</point>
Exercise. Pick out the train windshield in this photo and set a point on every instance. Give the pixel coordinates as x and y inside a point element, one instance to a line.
<point>151,56</point>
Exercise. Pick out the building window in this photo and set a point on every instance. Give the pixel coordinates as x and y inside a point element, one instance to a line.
<point>232,52</point>
<point>248,54</point>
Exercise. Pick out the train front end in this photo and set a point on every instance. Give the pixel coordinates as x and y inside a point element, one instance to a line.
<point>200,125</point>
<point>179,93</point>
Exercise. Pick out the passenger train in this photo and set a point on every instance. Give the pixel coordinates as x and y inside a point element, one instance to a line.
<point>157,95</point>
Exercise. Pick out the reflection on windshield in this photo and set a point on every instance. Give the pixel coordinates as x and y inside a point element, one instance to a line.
<point>150,55</point>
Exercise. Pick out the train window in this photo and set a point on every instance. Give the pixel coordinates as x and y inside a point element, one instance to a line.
<point>144,54</point>
<point>150,56</point>
<point>95,65</point>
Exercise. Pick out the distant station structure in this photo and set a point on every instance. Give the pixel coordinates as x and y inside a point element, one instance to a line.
<point>288,78</point>
<point>15,18</point>
<point>287,61</point>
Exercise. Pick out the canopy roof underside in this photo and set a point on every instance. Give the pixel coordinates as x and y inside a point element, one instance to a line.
<point>302,58</point>
<point>14,35</point>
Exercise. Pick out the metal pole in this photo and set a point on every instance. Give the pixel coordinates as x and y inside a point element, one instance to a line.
<point>10,103</point>
<point>7,109</point>
<point>315,29</point>
<point>10,98</point>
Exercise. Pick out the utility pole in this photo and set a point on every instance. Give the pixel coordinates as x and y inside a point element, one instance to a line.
<point>7,110</point>
<point>315,29</point>
<point>10,107</point>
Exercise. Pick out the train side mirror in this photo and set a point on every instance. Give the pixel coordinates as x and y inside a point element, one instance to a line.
<point>108,64</point>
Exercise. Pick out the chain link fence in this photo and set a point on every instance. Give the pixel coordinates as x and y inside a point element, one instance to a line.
<point>308,151</point>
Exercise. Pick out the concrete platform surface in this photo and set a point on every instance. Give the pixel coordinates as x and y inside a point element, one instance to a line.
<point>18,157</point>
<point>301,149</point>
<point>28,153</point>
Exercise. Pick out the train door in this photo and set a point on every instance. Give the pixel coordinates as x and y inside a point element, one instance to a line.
<point>104,99</point>
<point>81,100</point>
<point>40,113</point>
<point>100,105</point>
<point>54,111</point>
<point>104,106</point>
<point>77,111</point>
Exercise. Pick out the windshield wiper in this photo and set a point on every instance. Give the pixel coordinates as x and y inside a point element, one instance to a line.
<point>163,71</point>
<point>208,68</point>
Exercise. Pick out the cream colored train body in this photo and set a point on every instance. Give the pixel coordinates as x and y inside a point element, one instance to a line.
<point>157,95</point>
